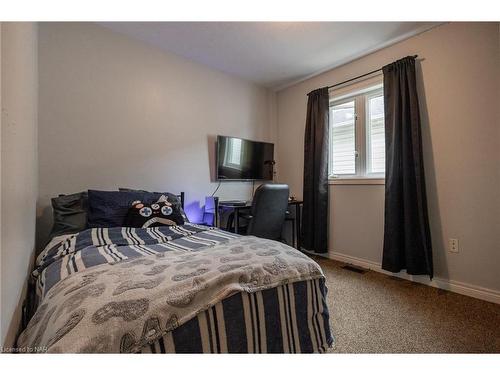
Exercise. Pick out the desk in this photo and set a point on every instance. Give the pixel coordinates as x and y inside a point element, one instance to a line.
<point>236,208</point>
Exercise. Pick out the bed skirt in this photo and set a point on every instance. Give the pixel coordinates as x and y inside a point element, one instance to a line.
<point>271,321</point>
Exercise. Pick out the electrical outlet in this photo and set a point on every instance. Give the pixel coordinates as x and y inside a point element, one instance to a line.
<point>453,245</point>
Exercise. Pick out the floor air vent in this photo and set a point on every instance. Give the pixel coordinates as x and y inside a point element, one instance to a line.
<point>352,268</point>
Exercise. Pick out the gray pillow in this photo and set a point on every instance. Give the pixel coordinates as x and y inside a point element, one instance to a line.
<point>70,214</point>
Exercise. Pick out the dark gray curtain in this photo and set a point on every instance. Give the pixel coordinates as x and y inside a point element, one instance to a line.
<point>315,213</point>
<point>407,239</point>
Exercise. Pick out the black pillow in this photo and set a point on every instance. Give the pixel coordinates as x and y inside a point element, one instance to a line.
<point>172,198</point>
<point>70,214</point>
<point>107,209</point>
<point>161,213</point>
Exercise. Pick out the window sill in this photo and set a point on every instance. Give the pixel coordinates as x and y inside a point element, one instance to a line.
<point>356,181</point>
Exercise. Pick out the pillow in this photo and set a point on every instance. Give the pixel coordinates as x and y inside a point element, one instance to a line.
<point>172,198</point>
<point>70,214</point>
<point>161,213</point>
<point>107,209</point>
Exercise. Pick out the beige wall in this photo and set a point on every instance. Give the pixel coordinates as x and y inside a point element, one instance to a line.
<point>459,90</point>
<point>18,167</point>
<point>117,112</point>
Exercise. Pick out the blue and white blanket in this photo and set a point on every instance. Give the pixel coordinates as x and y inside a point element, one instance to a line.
<point>97,246</point>
<point>128,289</point>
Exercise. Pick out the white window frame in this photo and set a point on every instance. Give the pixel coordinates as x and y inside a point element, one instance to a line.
<point>361,99</point>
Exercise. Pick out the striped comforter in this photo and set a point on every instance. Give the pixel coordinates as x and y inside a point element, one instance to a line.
<point>262,314</point>
<point>97,246</point>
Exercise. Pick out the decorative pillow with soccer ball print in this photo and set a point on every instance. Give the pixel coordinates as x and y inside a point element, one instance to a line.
<point>161,213</point>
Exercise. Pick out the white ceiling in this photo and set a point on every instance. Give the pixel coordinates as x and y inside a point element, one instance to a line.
<point>272,54</point>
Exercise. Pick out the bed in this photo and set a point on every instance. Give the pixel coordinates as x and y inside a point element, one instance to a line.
<point>175,289</point>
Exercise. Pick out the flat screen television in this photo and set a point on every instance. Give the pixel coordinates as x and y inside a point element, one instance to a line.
<point>240,159</point>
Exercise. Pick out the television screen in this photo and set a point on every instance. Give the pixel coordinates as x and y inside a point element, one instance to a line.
<point>241,159</point>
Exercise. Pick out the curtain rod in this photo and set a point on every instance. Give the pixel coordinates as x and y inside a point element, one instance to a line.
<point>361,76</point>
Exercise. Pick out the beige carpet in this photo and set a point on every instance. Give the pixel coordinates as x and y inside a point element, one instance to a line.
<point>375,313</point>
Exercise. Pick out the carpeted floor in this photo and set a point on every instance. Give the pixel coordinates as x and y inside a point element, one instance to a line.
<point>375,313</point>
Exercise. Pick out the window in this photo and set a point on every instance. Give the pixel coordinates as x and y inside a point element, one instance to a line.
<point>343,138</point>
<point>357,139</point>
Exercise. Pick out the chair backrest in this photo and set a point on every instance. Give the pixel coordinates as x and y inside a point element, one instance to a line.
<point>269,206</point>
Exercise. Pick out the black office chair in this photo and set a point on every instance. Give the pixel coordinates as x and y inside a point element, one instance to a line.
<point>269,207</point>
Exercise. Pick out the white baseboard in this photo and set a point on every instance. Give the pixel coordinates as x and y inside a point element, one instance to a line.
<point>470,290</point>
